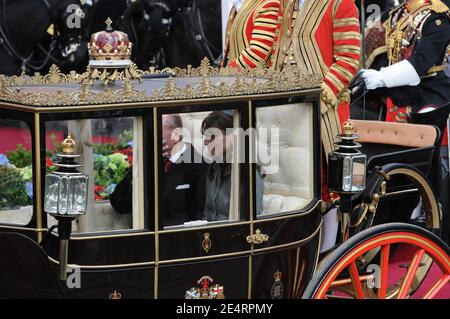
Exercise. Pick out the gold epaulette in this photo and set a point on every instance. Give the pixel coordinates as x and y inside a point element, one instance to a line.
<point>438,6</point>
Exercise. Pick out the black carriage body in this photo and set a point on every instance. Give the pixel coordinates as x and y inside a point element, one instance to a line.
<point>150,260</point>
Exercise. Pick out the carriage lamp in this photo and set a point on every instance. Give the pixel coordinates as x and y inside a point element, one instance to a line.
<point>65,199</point>
<point>347,165</point>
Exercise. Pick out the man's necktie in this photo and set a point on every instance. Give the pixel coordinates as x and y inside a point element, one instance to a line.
<point>167,165</point>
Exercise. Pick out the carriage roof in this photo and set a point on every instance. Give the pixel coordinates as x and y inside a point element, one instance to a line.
<point>38,93</point>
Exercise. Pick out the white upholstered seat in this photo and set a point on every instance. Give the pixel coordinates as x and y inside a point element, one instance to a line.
<point>288,182</point>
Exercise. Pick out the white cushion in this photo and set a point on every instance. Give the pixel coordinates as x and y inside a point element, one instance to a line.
<point>288,184</point>
<point>273,203</point>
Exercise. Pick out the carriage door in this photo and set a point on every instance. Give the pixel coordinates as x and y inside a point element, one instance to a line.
<point>203,201</point>
<point>285,190</point>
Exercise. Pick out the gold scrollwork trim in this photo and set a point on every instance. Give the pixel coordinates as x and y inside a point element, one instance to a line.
<point>257,238</point>
<point>54,76</point>
<point>254,81</point>
<point>159,104</point>
<point>292,244</point>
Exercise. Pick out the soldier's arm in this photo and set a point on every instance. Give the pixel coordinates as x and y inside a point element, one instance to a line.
<point>262,39</point>
<point>429,51</point>
<point>431,48</point>
<point>346,46</point>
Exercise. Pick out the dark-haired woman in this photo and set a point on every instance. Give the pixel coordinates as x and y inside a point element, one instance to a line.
<point>219,135</point>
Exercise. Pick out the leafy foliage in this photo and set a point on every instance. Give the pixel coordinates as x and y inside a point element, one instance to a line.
<point>26,173</point>
<point>56,144</point>
<point>111,162</point>
<point>13,189</point>
<point>125,139</point>
<point>109,170</point>
<point>104,149</point>
<point>20,157</point>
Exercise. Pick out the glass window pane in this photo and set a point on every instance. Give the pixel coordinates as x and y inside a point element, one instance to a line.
<point>200,181</point>
<point>16,173</point>
<point>111,157</point>
<point>284,158</point>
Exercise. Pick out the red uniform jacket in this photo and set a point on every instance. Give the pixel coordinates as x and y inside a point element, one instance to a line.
<point>325,39</point>
<point>252,33</point>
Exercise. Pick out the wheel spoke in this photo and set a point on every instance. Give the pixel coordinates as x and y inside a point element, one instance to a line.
<point>412,269</point>
<point>346,281</point>
<point>437,287</point>
<point>384,266</point>
<point>353,269</point>
<point>344,270</point>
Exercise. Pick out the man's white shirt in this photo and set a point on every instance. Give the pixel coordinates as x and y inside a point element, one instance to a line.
<point>174,158</point>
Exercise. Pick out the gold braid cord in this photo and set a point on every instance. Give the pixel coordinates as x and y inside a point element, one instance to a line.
<point>400,26</point>
<point>438,6</point>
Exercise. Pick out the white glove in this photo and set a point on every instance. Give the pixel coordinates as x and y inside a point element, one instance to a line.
<point>398,74</point>
<point>373,79</point>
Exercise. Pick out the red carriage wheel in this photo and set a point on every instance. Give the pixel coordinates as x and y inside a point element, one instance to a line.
<point>403,251</point>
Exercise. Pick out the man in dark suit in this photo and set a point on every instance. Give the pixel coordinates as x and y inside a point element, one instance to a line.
<point>184,173</point>
<point>182,186</point>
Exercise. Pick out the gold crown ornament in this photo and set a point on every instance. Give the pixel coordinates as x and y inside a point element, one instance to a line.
<point>110,45</point>
<point>348,128</point>
<point>115,295</point>
<point>68,145</point>
<point>109,57</point>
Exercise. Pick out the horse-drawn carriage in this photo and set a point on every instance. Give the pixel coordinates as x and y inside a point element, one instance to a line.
<point>268,244</point>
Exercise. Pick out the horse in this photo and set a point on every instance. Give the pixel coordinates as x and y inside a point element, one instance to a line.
<point>96,12</point>
<point>104,9</point>
<point>173,33</point>
<point>196,33</point>
<point>146,23</point>
<point>24,24</point>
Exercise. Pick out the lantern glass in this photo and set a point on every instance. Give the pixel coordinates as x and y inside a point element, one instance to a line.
<point>65,194</point>
<point>354,173</point>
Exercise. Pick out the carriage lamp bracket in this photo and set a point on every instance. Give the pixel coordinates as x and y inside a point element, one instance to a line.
<point>47,235</point>
<point>370,208</point>
<point>367,209</point>
<point>384,174</point>
<point>65,198</point>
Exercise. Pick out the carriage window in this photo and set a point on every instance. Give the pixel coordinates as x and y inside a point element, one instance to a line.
<point>111,157</point>
<point>200,164</point>
<point>16,173</point>
<point>284,157</point>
